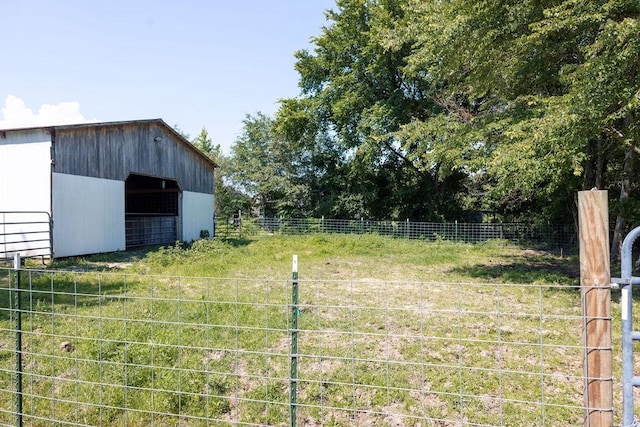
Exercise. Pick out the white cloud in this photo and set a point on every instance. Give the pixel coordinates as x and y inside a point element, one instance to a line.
<point>16,114</point>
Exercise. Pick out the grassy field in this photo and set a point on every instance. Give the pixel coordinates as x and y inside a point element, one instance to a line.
<point>344,257</point>
<point>391,332</point>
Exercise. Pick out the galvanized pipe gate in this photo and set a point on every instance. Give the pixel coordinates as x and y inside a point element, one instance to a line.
<point>29,233</point>
<point>627,281</point>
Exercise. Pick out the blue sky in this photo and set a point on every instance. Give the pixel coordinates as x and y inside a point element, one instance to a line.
<point>191,63</point>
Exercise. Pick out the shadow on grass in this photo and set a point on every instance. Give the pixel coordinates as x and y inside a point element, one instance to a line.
<point>555,271</point>
<point>524,269</point>
<point>47,289</point>
<point>75,281</point>
<point>236,243</point>
<point>111,261</point>
<point>116,261</point>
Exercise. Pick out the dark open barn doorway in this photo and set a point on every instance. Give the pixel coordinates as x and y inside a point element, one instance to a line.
<point>152,210</point>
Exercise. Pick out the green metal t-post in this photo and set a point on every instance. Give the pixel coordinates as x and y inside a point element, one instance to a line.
<point>17,264</point>
<point>294,342</point>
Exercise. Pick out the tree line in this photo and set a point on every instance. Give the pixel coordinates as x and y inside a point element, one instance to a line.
<point>450,110</point>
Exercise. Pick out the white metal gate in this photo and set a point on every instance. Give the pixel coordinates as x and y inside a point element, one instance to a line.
<point>27,233</point>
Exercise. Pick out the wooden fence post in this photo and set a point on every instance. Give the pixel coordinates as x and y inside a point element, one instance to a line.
<point>595,280</point>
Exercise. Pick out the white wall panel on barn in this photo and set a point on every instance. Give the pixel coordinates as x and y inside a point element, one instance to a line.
<point>197,214</point>
<point>88,215</point>
<point>25,172</point>
<point>25,185</point>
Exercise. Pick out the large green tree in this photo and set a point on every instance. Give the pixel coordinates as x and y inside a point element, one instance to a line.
<point>571,100</point>
<point>425,109</point>
<point>204,143</point>
<point>356,95</point>
<point>266,169</point>
<point>228,199</point>
<point>541,97</point>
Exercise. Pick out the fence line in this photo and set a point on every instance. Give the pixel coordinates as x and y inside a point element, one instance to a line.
<point>549,236</point>
<point>101,348</point>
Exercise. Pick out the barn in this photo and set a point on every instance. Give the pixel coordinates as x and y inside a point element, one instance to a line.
<point>108,186</point>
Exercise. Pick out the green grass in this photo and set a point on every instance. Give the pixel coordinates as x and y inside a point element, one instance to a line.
<point>342,257</point>
<point>391,332</point>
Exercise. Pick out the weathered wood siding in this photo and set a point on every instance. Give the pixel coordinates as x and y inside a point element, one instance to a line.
<point>113,151</point>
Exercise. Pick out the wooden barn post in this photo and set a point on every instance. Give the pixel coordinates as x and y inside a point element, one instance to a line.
<point>595,280</point>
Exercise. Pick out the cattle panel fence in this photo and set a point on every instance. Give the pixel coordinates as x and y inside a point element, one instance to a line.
<point>551,236</point>
<point>102,348</point>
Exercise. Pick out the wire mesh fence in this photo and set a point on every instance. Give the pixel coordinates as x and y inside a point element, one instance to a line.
<point>542,235</point>
<point>112,349</point>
